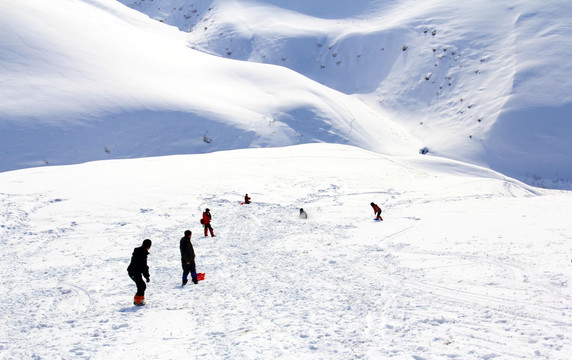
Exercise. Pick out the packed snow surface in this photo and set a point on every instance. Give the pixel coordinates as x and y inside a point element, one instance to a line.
<point>466,263</point>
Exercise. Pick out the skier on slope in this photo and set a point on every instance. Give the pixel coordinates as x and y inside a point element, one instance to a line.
<point>303,214</point>
<point>138,270</point>
<point>377,211</point>
<point>246,199</point>
<point>206,221</point>
<point>188,258</point>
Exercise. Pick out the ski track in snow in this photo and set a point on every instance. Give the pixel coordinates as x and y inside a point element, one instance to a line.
<point>333,286</point>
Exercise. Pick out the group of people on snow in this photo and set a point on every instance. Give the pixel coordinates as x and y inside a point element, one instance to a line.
<point>139,270</point>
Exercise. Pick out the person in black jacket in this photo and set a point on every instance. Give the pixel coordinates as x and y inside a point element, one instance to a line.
<point>138,270</point>
<point>188,258</point>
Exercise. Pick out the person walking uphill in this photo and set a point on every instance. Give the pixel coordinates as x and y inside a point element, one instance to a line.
<point>138,270</point>
<point>206,221</point>
<point>188,258</point>
<point>377,211</point>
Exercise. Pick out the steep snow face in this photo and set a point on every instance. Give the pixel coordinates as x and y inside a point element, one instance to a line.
<point>483,82</point>
<point>94,80</point>
<point>459,75</point>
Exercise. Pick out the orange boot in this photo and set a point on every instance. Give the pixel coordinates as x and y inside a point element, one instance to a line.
<point>139,300</point>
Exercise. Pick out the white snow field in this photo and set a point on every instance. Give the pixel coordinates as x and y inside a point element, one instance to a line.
<point>467,263</point>
<point>124,120</point>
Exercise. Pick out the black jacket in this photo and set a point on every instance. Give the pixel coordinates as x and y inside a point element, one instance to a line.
<point>138,263</point>
<point>187,251</point>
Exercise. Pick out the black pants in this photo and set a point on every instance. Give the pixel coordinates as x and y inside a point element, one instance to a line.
<point>189,268</point>
<point>141,286</point>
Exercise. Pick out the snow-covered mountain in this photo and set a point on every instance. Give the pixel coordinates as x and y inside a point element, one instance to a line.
<point>97,80</point>
<point>483,82</point>
<point>468,262</point>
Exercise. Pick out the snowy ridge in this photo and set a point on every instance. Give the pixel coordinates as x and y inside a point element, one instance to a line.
<point>130,87</point>
<point>482,82</point>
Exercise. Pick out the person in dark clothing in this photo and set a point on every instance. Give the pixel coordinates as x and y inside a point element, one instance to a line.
<point>303,214</point>
<point>188,258</point>
<point>207,222</point>
<point>377,211</point>
<point>138,270</point>
<point>246,199</point>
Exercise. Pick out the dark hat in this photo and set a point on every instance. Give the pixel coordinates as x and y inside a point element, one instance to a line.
<point>188,232</point>
<point>147,243</point>
<point>207,209</point>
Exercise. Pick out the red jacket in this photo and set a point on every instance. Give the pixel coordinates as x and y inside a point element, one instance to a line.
<point>376,208</point>
<point>206,218</point>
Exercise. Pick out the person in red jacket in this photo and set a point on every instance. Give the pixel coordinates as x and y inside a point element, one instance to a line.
<point>377,211</point>
<point>207,222</point>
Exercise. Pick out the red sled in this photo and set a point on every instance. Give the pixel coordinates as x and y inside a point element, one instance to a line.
<point>200,276</point>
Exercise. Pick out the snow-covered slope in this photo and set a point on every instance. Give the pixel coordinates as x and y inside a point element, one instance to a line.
<point>483,82</point>
<point>467,264</point>
<point>93,80</point>
<point>479,81</point>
